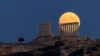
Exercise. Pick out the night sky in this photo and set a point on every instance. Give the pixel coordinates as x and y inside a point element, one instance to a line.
<point>21,18</point>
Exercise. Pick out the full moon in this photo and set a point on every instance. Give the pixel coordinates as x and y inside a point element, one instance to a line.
<point>69,17</point>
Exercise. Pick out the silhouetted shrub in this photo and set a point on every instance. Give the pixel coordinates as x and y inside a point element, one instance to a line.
<point>92,48</point>
<point>50,51</point>
<point>66,47</point>
<point>22,54</point>
<point>97,42</point>
<point>21,39</point>
<point>88,52</point>
<point>77,53</point>
<point>47,48</point>
<point>59,43</point>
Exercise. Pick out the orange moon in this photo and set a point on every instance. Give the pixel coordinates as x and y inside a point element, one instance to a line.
<point>69,17</point>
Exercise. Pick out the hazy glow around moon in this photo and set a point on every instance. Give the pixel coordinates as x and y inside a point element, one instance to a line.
<point>69,17</point>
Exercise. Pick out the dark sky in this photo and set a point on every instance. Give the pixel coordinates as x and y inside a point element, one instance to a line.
<point>22,17</point>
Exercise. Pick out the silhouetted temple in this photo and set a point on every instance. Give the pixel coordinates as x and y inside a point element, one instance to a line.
<point>69,29</point>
